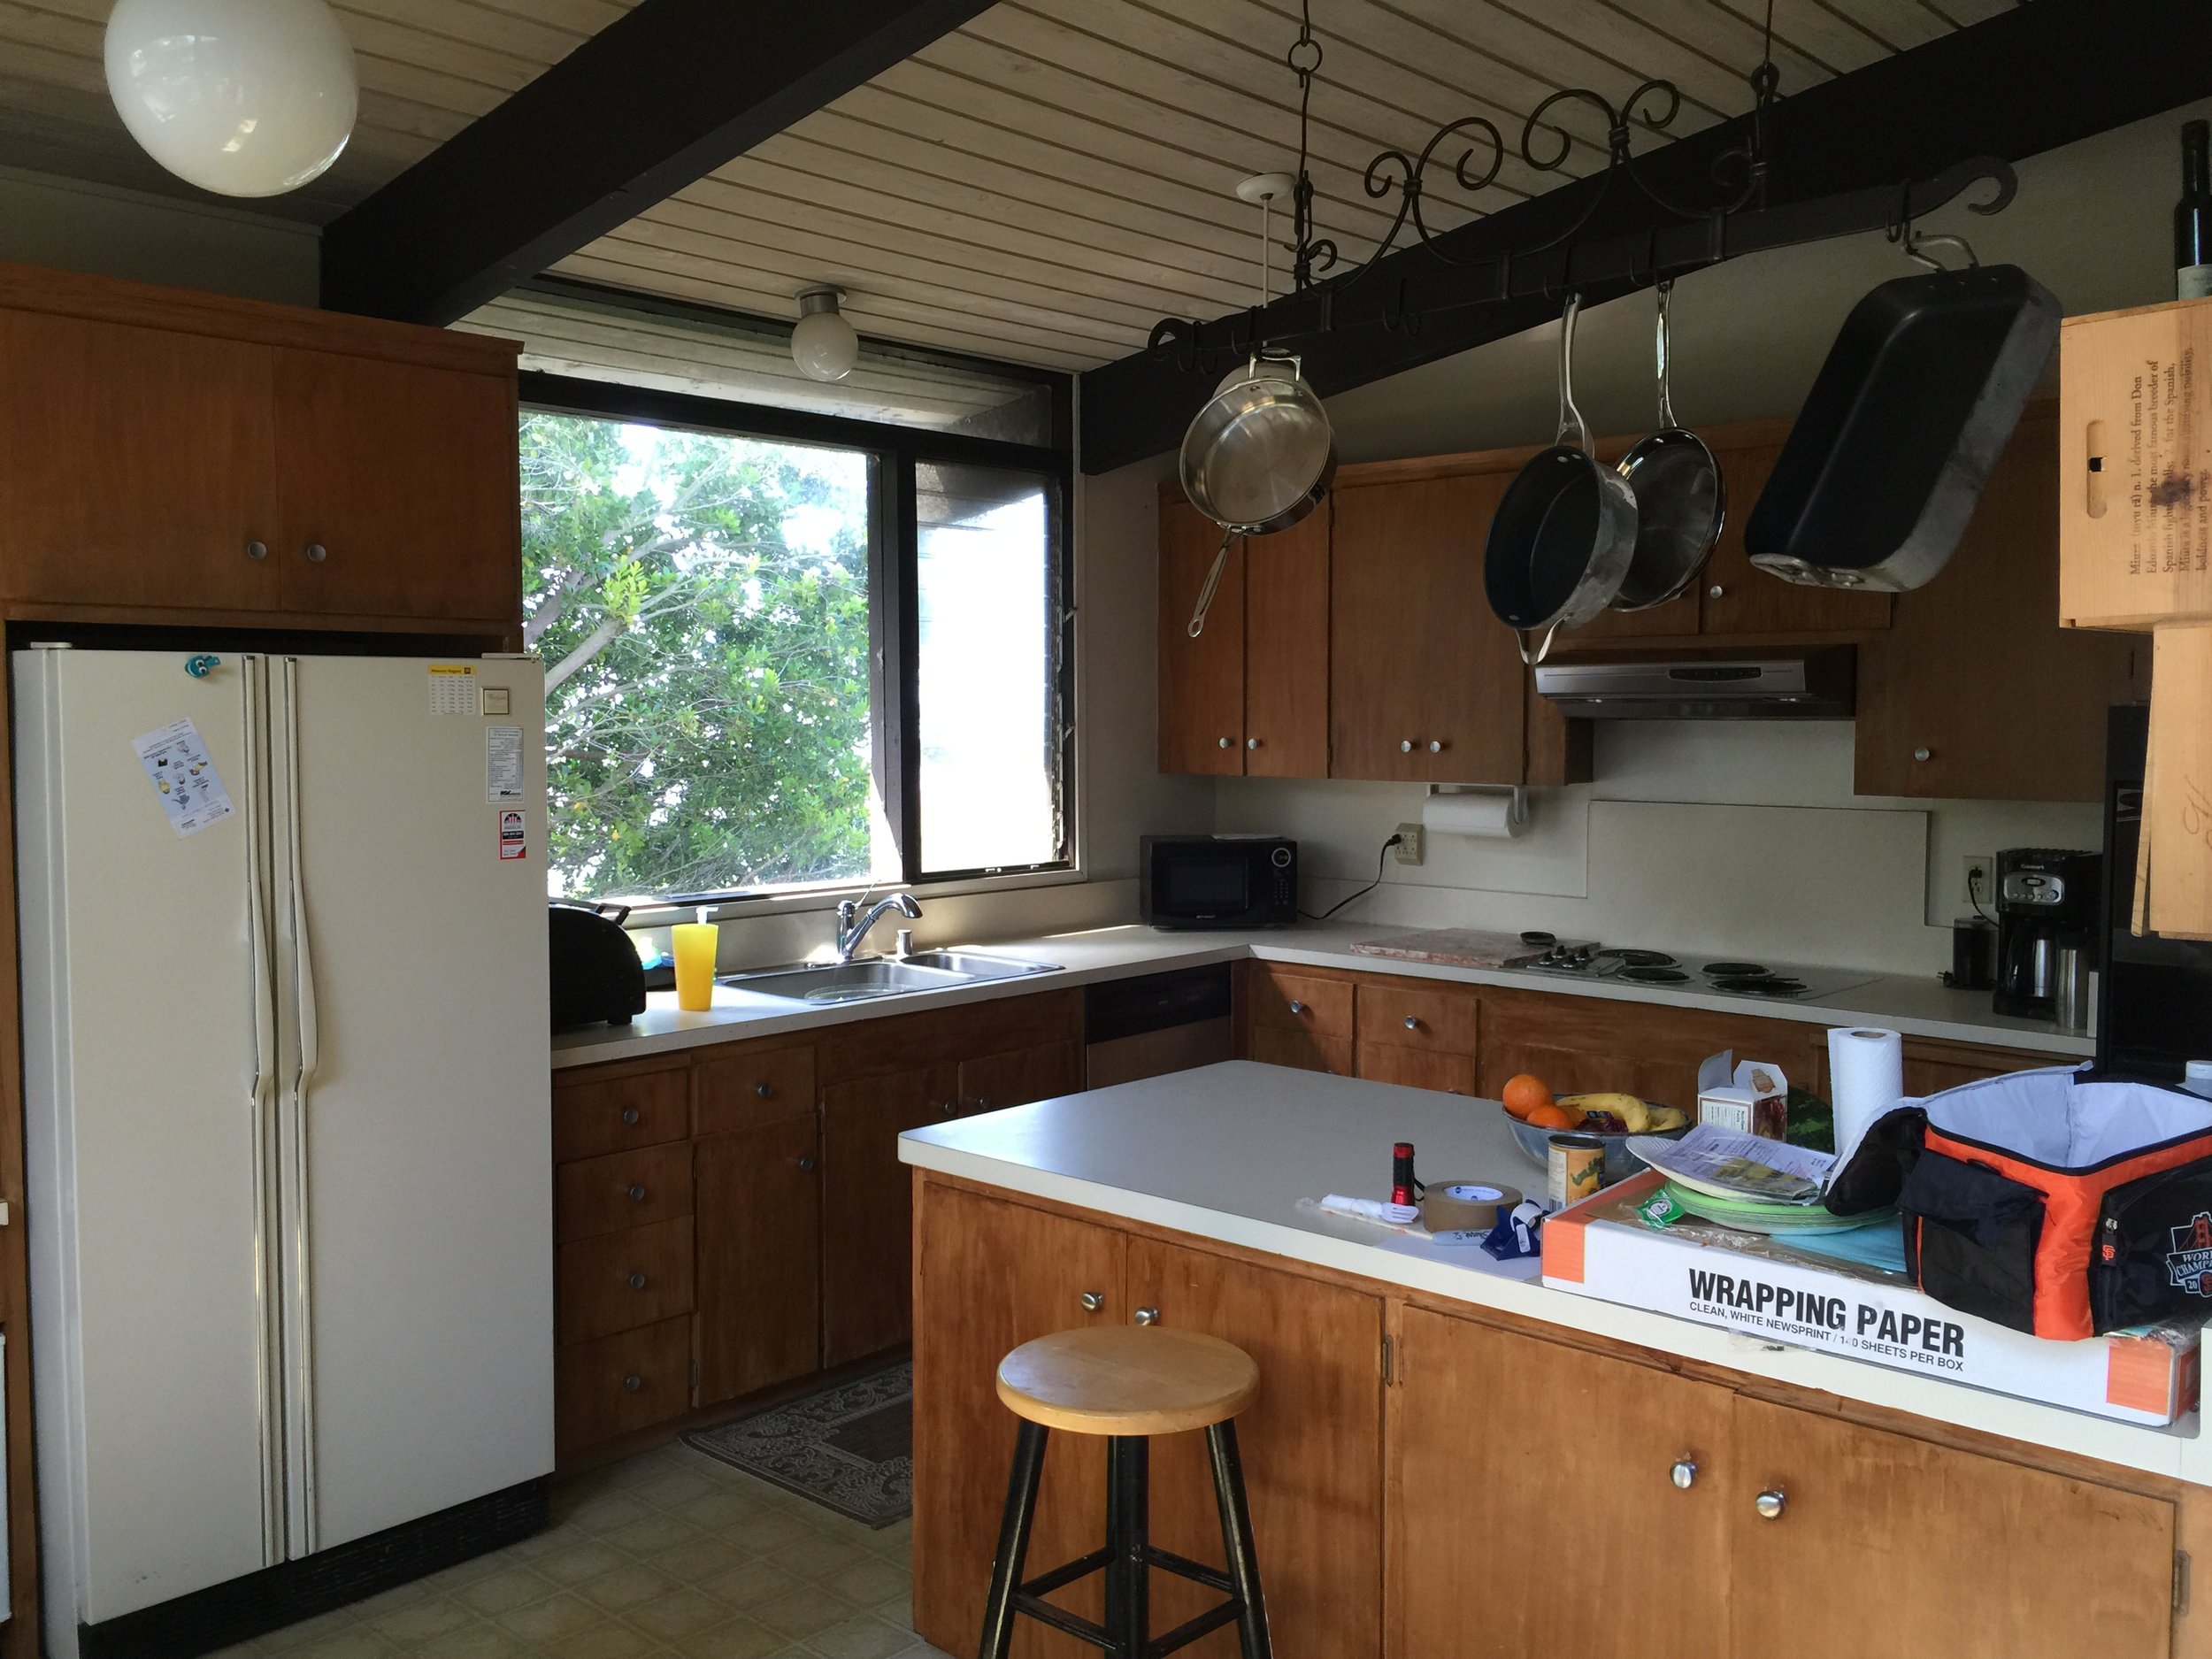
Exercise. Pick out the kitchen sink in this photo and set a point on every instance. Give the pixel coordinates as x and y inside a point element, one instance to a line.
<point>873,977</point>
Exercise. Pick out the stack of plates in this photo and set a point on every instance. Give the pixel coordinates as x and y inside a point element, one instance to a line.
<point>1747,1215</point>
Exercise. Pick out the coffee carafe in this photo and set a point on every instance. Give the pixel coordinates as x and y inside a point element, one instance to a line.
<point>2046,899</point>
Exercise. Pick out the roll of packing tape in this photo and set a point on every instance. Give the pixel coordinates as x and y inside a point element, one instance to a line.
<point>1468,1204</point>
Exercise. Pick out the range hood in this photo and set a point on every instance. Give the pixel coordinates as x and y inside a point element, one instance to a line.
<point>1815,685</point>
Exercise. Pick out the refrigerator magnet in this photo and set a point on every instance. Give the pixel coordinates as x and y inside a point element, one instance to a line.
<point>514,840</point>
<point>184,777</point>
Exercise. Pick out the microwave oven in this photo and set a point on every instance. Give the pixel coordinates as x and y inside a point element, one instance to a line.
<point>1217,880</point>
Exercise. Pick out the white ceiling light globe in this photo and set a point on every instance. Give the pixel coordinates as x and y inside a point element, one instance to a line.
<point>823,343</point>
<point>242,97</point>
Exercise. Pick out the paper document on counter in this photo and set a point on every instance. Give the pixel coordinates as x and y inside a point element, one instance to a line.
<point>1731,1164</point>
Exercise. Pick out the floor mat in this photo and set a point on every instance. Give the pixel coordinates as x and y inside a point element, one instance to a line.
<point>849,1447</point>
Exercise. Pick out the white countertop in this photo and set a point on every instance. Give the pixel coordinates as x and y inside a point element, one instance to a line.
<point>1916,1007</point>
<point>1229,1151</point>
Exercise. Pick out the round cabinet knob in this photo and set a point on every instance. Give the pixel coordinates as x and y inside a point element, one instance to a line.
<point>1251,742</point>
<point>636,1281</point>
<point>1405,746</point>
<point>1683,1474</point>
<point>947,1108</point>
<point>982,1103</point>
<point>1924,753</point>
<point>805,1160</point>
<point>633,1382</point>
<point>1412,1024</point>
<point>316,552</point>
<point>1228,742</point>
<point>1769,1505</point>
<point>629,1114</point>
<point>764,1090</point>
<point>1092,1300</point>
<point>1715,591</point>
<point>257,550</point>
<point>1297,1007</point>
<point>637,1195</point>
<point>1148,1316</point>
<point>1436,746</point>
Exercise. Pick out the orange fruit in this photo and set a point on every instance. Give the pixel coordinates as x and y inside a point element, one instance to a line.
<point>1550,1117</point>
<point>1524,1094</point>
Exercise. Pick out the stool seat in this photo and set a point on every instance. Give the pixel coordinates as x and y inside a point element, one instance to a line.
<point>1127,1380</point>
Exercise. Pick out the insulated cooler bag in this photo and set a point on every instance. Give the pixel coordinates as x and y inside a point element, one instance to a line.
<point>2062,1207</point>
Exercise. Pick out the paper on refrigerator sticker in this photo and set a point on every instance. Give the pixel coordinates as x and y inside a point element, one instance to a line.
<point>514,836</point>
<point>184,777</point>
<point>452,688</point>
<point>503,765</point>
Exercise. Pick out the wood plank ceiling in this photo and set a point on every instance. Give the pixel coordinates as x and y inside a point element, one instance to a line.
<point>1045,183</point>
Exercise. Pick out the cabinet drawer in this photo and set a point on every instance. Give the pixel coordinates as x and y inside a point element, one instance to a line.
<point>619,1281</point>
<point>631,1380</point>
<point>624,1189</point>
<point>1444,1021</point>
<point>1272,1045</point>
<point>1417,1068</point>
<point>596,1115</point>
<point>753,1085</point>
<point>1292,1002</point>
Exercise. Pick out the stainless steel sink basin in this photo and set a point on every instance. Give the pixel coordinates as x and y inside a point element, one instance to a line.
<point>976,965</point>
<point>882,976</point>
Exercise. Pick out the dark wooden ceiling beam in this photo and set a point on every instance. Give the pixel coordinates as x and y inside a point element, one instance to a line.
<point>657,99</point>
<point>2036,78</point>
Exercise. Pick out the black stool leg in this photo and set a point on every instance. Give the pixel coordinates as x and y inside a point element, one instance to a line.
<point>1236,1539</point>
<point>1128,1537</point>
<point>1013,1540</point>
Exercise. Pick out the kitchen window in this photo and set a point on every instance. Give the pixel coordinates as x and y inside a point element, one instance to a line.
<point>787,651</point>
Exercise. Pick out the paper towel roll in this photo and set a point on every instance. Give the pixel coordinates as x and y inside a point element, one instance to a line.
<point>1485,815</point>
<point>1866,1077</point>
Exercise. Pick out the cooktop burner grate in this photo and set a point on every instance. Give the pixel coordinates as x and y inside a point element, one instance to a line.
<point>1637,958</point>
<point>1759,985</point>
<point>1651,973</point>
<point>1736,970</point>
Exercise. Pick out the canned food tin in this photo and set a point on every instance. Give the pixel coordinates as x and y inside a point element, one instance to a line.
<point>1577,1168</point>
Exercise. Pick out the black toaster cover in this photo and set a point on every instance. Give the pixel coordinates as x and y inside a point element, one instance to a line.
<point>593,968</point>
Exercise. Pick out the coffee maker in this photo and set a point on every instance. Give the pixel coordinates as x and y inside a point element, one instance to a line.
<point>2046,899</point>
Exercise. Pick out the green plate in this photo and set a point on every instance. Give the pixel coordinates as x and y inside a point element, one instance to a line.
<point>1746,1216</point>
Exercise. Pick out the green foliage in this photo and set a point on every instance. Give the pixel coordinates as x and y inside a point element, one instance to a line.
<point>707,679</point>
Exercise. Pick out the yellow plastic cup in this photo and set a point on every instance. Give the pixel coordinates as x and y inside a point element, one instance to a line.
<point>694,946</point>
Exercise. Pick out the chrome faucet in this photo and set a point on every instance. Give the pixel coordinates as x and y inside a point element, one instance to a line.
<point>850,933</point>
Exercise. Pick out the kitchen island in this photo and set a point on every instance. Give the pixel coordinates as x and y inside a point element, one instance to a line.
<point>1449,1457</point>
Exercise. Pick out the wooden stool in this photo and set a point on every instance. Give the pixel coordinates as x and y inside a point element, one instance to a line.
<point>1127,1383</point>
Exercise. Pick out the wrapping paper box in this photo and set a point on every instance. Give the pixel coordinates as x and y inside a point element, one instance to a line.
<point>1763,1288</point>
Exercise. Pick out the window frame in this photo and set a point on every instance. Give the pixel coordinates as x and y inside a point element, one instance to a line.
<point>893,619</point>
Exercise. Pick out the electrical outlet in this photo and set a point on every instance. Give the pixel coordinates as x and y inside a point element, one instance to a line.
<point>1978,881</point>
<point>1409,850</point>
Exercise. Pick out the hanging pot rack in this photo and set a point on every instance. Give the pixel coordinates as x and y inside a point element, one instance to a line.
<point>1682,237</point>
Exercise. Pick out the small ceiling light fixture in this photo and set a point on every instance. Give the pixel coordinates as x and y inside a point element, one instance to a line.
<point>242,97</point>
<point>823,343</point>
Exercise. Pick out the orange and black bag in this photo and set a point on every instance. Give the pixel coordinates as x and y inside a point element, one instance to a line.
<point>2063,1206</point>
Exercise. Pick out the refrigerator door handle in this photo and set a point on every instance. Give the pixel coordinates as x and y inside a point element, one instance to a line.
<point>268,1341</point>
<point>303,970</point>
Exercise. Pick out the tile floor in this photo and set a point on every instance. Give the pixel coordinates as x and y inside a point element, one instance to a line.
<point>670,1555</point>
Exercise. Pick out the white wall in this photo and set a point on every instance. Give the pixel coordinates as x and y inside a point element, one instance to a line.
<point>1716,836</point>
<point>111,232</point>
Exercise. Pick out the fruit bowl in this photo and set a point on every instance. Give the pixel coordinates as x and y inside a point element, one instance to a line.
<point>1620,1162</point>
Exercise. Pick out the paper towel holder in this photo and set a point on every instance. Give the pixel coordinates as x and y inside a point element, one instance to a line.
<point>1516,814</point>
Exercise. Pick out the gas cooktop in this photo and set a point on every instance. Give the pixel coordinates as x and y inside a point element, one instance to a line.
<point>1767,981</point>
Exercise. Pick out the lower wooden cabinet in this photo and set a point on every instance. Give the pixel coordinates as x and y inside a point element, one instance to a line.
<point>868,1205</point>
<point>621,1280</point>
<point>618,1384</point>
<point>759,1199</point>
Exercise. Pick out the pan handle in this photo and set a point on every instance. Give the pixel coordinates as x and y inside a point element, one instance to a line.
<point>1213,580</point>
<point>1667,422</point>
<point>1543,646</point>
<point>1571,427</point>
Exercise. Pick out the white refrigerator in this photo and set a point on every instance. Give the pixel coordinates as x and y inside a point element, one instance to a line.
<point>287,1090</point>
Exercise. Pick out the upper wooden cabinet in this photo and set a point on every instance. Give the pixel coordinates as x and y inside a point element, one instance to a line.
<point>1977,692</point>
<point>170,456</point>
<point>1424,683</point>
<point>1249,696</point>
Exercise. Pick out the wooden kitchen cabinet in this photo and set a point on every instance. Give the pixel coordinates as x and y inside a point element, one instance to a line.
<point>618,1281</point>
<point>1312,1447</point>
<point>139,466</point>
<point>759,1200</point>
<point>1419,1033</point>
<point>992,1276</point>
<point>1933,1063</point>
<point>1424,683</point>
<point>1738,600</point>
<point>613,1108</point>
<point>991,1082</point>
<point>867,1206</point>
<point>1534,1506</point>
<point>1978,1558</point>
<point>1288,1017</point>
<point>1976,692</point>
<point>1249,696</point>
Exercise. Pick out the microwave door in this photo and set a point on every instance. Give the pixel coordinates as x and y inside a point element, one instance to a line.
<point>1204,888</point>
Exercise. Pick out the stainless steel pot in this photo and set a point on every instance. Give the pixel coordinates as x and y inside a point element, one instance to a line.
<point>1562,537</point>
<point>1257,458</point>
<point>1681,500</point>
